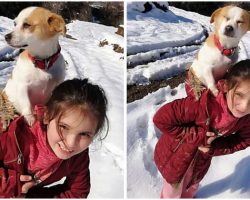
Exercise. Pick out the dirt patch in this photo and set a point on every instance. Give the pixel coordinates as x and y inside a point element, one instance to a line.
<point>135,92</point>
<point>120,31</point>
<point>116,47</point>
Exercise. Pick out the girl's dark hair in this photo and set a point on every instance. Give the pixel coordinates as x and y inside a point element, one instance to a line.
<point>79,93</point>
<point>238,73</point>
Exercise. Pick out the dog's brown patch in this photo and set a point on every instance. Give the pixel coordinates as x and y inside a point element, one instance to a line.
<point>246,21</point>
<point>218,16</point>
<point>195,84</point>
<point>7,111</point>
<point>24,54</point>
<point>45,24</point>
<point>210,41</point>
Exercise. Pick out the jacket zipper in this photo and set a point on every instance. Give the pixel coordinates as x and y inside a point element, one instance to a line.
<point>196,154</point>
<point>19,156</point>
<point>192,163</point>
<point>181,141</point>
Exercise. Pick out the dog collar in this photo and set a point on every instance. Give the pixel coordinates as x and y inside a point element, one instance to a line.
<point>45,64</point>
<point>225,52</point>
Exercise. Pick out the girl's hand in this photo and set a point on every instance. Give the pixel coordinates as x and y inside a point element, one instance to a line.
<point>211,137</point>
<point>204,149</point>
<point>28,183</point>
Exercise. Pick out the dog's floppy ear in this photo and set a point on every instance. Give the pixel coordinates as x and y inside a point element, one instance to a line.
<point>214,15</point>
<point>57,24</point>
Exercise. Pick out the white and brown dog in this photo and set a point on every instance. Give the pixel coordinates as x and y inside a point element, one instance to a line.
<point>220,50</point>
<point>41,66</point>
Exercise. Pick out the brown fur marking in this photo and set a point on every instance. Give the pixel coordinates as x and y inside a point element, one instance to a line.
<point>45,24</point>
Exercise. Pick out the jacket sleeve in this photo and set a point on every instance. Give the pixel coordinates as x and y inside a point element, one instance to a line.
<point>10,185</point>
<point>232,143</point>
<point>179,118</point>
<point>76,185</point>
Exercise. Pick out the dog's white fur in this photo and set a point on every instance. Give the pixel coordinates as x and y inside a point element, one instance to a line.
<point>37,30</point>
<point>211,65</point>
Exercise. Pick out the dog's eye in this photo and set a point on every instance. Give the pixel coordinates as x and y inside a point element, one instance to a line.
<point>227,18</point>
<point>239,22</point>
<point>26,25</point>
<point>14,23</point>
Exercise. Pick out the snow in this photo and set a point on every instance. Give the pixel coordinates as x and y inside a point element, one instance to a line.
<point>161,45</point>
<point>102,66</point>
<point>152,30</point>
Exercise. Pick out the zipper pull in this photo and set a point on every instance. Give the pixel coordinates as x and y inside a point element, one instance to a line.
<point>19,158</point>
<point>207,121</point>
<point>37,180</point>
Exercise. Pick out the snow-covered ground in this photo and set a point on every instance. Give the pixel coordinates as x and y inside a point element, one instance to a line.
<point>161,45</point>
<point>102,66</point>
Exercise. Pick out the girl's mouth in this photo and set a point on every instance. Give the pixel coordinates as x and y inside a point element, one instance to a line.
<point>240,113</point>
<point>62,147</point>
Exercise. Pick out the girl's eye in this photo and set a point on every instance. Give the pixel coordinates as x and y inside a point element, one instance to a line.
<point>86,134</point>
<point>26,25</point>
<point>238,95</point>
<point>63,127</point>
<point>14,23</point>
<point>227,18</point>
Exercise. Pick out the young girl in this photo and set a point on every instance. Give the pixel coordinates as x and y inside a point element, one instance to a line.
<point>56,147</point>
<point>184,151</point>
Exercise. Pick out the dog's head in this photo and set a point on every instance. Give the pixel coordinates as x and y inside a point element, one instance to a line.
<point>231,22</point>
<point>33,26</point>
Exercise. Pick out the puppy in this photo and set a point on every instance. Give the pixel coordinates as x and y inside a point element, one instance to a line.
<point>220,50</point>
<point>40,67</point>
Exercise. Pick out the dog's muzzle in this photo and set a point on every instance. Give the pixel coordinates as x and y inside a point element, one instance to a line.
<point>8,37</point>
<point>229,31</point>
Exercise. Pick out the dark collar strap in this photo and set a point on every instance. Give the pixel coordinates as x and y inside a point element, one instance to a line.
<point>225,52</point>
<point>45,64</point>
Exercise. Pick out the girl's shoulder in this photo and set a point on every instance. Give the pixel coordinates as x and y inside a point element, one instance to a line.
<point>19,129</point>
<point>10,137</point>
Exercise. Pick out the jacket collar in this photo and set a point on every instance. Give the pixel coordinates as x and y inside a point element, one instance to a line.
<point>45,64</point>
<point>225,52</point>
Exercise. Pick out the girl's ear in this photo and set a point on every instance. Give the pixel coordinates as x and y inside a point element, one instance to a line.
<point>225,86</point>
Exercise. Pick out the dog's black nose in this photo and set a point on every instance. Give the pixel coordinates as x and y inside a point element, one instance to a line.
<point>8,37</point>
<point>229,29</point>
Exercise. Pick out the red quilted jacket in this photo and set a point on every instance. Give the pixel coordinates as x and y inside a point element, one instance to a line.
<point>75,169</point>
<point>183,124</point>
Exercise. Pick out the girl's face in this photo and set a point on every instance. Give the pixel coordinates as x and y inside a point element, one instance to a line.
<point>77,131</point>
<point>238,99</point>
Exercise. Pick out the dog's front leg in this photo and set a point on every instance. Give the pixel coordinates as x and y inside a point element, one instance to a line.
<point>210,82</point>
<point>24,104</point>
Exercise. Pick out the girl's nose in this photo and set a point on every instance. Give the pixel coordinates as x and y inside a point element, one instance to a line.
<point>71,141</point>
<point>244,106</point>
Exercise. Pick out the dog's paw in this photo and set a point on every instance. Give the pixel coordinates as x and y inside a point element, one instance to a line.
<point>30,119</point>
